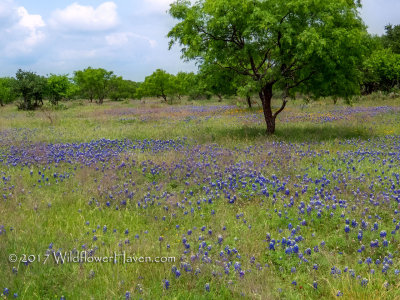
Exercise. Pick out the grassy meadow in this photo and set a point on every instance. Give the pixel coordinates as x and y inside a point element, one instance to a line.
<point>312,212</point>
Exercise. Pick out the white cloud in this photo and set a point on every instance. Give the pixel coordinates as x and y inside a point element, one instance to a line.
<point>31,24</point>
<point>20,31</point>
<point>122,38</point>
<point>5,7</point>
<point>86,18</point>
<point>73,54</point>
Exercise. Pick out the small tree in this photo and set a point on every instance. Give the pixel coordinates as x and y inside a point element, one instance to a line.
<point>31,87</point>
<point>122,89</point>
<point>391,38</point>
<point>245,87</point>
<point>57,87</point>
<point>85,80</point>
<point>381,71</point>
<point>197,88</point>
<point>94,83</point>
<point>288,45</point>
<point>217,81</point>
<point>7,93</point>
<point>159,84</point>
<point>182,84</point>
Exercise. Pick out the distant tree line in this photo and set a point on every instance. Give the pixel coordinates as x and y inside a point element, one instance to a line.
<point>29,89</point>
<point>381,68</point>
<point>379,71</point>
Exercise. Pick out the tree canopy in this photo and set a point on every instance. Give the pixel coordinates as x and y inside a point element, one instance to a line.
<point>159,84</point>
<point>292,45</point>
<point>217,81</point>
<point>122,89</point>
<point>391,38</point>
<point>57,87</point>
<point>381,71</point>
<point>94,83</point>
<point>7,92</point>
<point>31,87</point>
<point>183,83</point>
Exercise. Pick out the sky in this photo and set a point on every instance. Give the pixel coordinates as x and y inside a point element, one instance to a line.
<point>125,36</point>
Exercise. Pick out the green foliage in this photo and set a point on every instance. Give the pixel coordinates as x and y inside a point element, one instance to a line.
<point>198,88</point>
<point>381,71</point>
<point>38,215</point>
<point>159,84</point>
<point>73,91</point>
<point>183,83</point>
<point>57,87</point>
<point>31,87</point>
<point>7,93</point>
<point>294,45</point>
<point>122,89</point>
<point>216,80</point>
<point>94,83</point>
<point>391,39</point>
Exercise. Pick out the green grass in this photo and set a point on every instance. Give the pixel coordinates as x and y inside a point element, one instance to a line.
<point>36,214</point>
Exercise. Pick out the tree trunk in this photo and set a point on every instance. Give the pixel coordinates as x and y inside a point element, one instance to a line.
<point>26,103</point>
<point>219,97</point>
<point>249,101</point>
<point>266,97</point>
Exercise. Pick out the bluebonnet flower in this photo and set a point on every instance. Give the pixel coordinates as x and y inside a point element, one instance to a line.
<point>166,284</point>
<point>207,287</point>
<point>272,246</point>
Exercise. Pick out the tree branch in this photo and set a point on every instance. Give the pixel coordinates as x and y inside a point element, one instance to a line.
<point>244,72</point>
<point>264,59</point>
<point>239,43</point>
<point>296,84</point>
<point>280,33</point>
<point>253,66</point>
<point>284,101</point>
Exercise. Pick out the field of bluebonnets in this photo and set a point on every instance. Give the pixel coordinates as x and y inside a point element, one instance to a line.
<point>312,212</point>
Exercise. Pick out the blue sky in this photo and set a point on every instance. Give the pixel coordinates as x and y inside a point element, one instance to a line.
<point>126,36</point>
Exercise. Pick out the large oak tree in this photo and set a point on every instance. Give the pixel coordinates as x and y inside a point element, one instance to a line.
<point>314,46</point>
